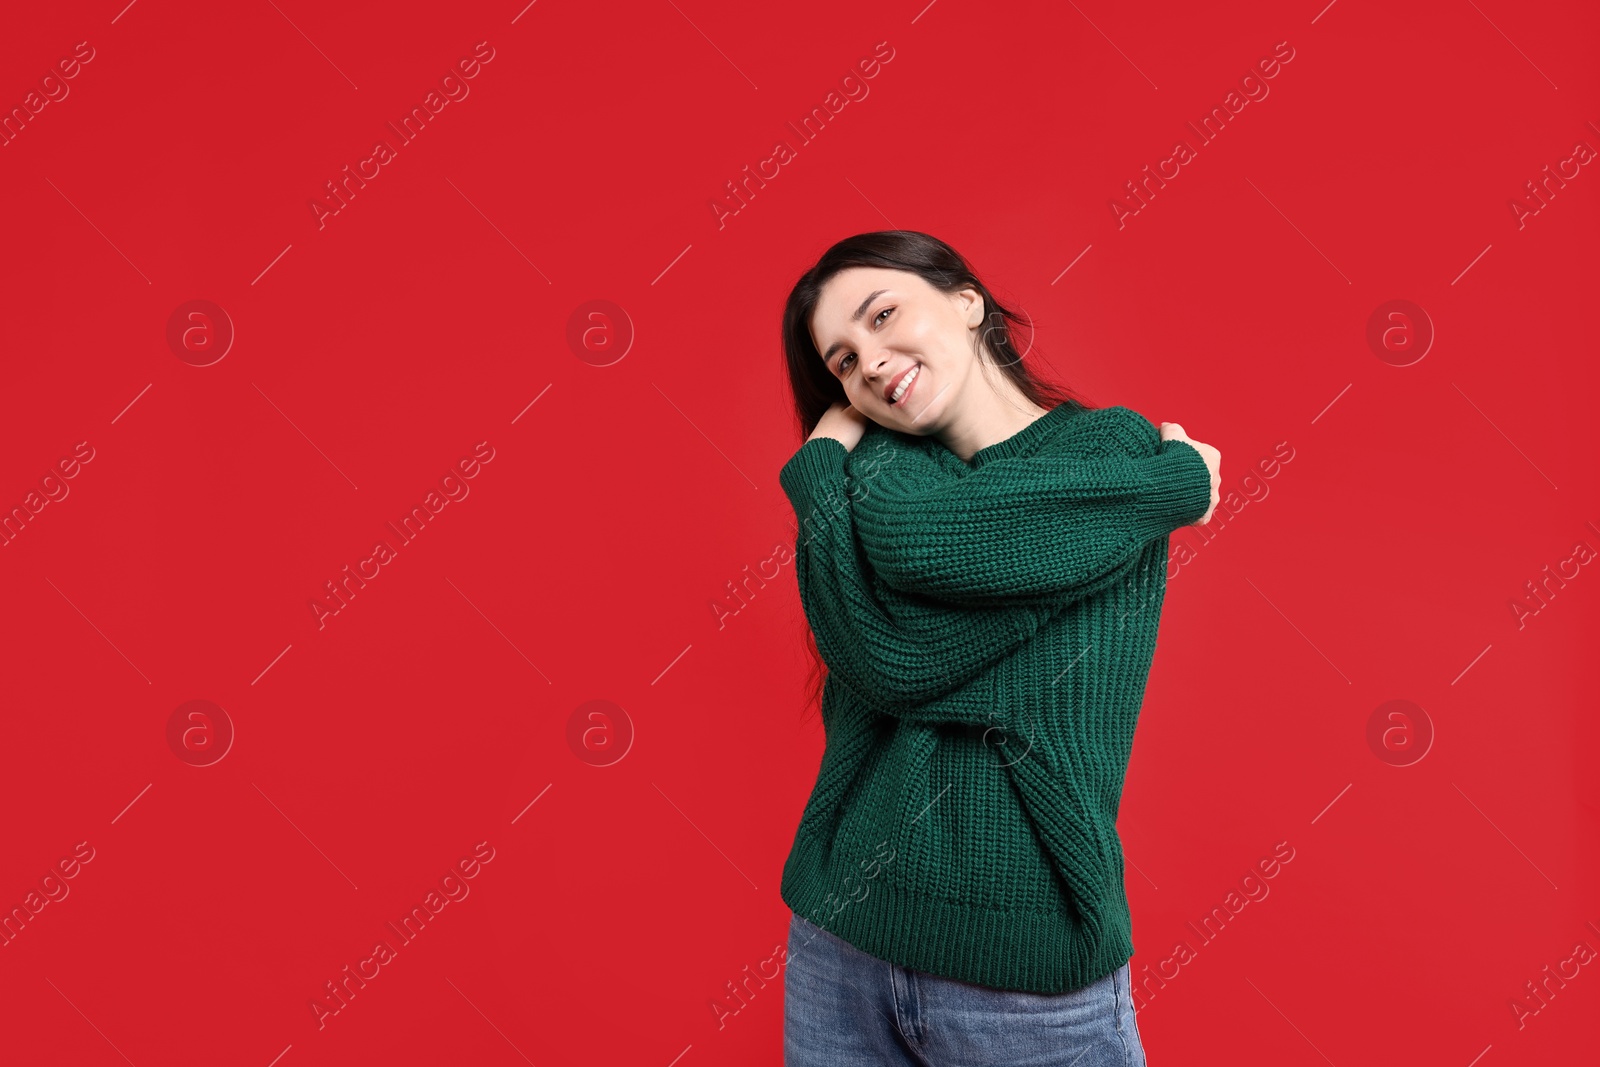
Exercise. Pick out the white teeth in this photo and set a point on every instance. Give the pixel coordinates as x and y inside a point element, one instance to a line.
<point>905,383</point>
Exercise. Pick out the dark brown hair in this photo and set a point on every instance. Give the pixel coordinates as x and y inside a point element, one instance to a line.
<point>816,389</point>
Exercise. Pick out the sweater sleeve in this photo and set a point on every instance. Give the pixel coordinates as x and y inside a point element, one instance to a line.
<point>1051,527</point>
<point>898,652</point>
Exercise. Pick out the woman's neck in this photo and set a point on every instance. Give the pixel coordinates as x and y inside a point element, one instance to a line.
<point>990,420</point>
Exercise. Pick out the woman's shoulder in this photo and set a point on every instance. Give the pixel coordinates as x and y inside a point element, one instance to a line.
<point>1097,429</point>
<point>1077,429</point>
<point>878,438</point>
<point>910,455</point>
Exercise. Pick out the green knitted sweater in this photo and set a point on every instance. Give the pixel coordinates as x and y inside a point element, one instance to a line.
<point>988,627</point>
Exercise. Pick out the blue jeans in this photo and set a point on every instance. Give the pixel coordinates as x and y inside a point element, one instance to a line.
<point>842,1006</point>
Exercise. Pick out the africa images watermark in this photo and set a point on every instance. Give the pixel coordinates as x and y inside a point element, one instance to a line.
<point>52,889</point>
<point>54,490</point>
<point>52,90</point>
<point>864,464</point>
<point>1252,889</point>
<point>455,489</point>
<point>455,90</point>
<point>737,998</point>
<point>810,128</point>
<point>1255,90</point>
<point>453,886</point>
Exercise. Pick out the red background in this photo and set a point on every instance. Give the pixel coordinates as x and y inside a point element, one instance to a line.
<point>590,557</point>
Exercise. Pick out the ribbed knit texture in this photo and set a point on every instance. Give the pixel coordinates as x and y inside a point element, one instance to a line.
<point>988,628</point>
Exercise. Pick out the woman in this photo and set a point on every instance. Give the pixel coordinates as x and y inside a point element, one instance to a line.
<point>982,563</point>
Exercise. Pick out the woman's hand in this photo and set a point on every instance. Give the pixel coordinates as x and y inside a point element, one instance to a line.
<point>843,423</point>
<point>1171,431</point>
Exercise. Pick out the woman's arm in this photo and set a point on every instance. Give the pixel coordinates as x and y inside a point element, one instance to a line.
<point>1048,528</point>
<point>898,651</point>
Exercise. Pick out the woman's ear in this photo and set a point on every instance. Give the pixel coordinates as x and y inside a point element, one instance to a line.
<point>974,309</point>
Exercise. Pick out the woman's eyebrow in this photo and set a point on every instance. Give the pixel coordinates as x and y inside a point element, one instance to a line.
<point>860,311</point>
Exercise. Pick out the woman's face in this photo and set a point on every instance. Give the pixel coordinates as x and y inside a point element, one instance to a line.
<point>880,330</point>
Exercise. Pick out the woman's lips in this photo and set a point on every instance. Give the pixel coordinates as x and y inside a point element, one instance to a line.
<point>917,380</point>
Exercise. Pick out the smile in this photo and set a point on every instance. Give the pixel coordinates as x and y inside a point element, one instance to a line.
<point>906,381</point>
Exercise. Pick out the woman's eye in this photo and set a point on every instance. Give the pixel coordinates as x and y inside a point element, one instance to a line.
<point>844,364</point>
